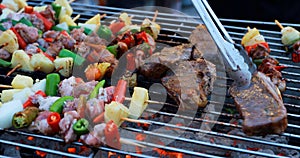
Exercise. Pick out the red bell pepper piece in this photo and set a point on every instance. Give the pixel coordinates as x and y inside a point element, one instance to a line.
<point>120,91</point>
<point>280,67</point>
<point>49,40</point>
<point>112,135</point>
<point>21,41</point>
<point>141,37</point>
<point>28,9</point>
<point>53,120</point>
<point>29,100</point>
<point>296,56</point>
<point>64,32</point>
<point>249,48</point>
<point>47,24</point>
<point>2,6</point>
<point>130,62</point>
<point>116,27</point>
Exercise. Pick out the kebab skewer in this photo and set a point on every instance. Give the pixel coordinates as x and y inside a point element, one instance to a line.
<point>258,49</point>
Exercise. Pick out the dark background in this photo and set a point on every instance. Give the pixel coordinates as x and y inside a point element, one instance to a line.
<point>287,11</point>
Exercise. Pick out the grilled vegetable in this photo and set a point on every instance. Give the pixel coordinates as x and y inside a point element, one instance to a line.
<point>95,91</point>
<point>125,18</point>
<point>14,5</point>
<point>151,28</point>
<point>7,112</point>
<point>138,102</point>
<point>112,135</point>
<point>66,5</point>
<point>289,35</point>
<point>24,118</point>
<point>81,127</point>
<point>29,102</point>
<point>9,41</point>
<point>94,20</point>
<point>115,111</point>
<point>7,95</point>
<point>104,32</point>
<point>96,71</point>
<point>47,24</point>
<point>53,120</point>
<point>120,91</point>
<point>57,8</point>
<point>68,20</point>
<point>20,57</point>
<point>52,81</point>
<point>42,63</point>
<point>77,59</point>
<point>21,81</point>
<point>58,105</point>
<point>65,65</point>
<point>4,63</point>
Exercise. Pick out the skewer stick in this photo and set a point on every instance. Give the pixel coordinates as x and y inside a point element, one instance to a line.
<point>128,142</point>
<point>102,16</point>
<point>14,69</point>
<point>278,24</point>
<point>5,86</point>
<point>153,102</point>
<point>134,120</point>
<point>155,16</point>
<point>71,1</point>
<point>76,17</point>
<point>59,68</point>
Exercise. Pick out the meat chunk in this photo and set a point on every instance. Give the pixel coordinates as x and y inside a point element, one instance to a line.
<point>66,124</point>
<point>78,34</point>
<point>156,65</point>
<point>4,54</point>
<point>261,106</point>
<point>29,34</point>
<point>192,82</point>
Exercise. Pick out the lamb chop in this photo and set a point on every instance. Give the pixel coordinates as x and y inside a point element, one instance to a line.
<point>261,106</point>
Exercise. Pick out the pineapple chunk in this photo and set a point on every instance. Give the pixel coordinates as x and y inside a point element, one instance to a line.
<point>94,20</point>
<point>66,65</point>
<point>39,8</point>
<point>7,95</point>
<point>14,5</point>
<point>125,17</point>
<point>115,111</point>
<point>9,40</point>
<point>249,35</point>
<point>20,57</point>
<point>138,102</point>
<point>42,63</point>
<point>21,3</point>
<point>256,39</point>
<point>65,3</point>
<point>289,35</point>
<point>67,19</point>
<point>21,81</point>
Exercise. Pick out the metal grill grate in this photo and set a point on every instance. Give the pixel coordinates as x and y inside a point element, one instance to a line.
<point>175,31</point>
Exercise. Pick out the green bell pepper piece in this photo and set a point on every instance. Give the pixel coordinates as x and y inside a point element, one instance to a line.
<point>57,9</point>
<point>113,49</point>
<point>95,91</point>
<point>81,127</point>
<point>25,21</point>
<point>104,32</point>
<point>78,60</point>
<point>4,63</point>
<point>52,81</point>
<point>58,105</point>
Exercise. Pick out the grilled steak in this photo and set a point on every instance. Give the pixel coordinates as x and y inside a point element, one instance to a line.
<point>192,82</point>
<point>261,106</point>
<point>156,65</point>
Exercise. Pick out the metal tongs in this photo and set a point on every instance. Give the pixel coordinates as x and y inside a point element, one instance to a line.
<point>238,64</point>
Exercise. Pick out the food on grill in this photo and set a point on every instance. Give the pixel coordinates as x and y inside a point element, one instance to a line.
<point>22,81</point>
<point>116,111</point>
<point>258,49</point>
<point>261,106</point>
<point>7,111</point>
<point>138,102</point>
<point>180,87</point>
<point>7,95</point>
<point>290,38</point>
<point>24,118</point>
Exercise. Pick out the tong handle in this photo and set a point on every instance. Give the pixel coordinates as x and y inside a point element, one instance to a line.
<point>234,62</point>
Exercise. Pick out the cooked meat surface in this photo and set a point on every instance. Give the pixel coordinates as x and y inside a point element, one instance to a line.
<point>156,65</point>
<point>261,106</point>
<point>181,86</point>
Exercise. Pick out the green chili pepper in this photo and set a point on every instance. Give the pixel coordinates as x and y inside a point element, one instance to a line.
<point>104,32</point>
<point>58,105</point>
<point>25,21</point>
<point>56,8</point>
<point>258,61</point>
<point>24,118</point>
<point>2,28</point>
<point>95,91</point>
<point>81,127</point>
<point>4,63</point>
<point>78,60</point>
<point>52,81</point>
<point>113,49</point>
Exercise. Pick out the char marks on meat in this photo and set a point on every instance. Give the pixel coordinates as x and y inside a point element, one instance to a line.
<point>261,106</point>
<point>204,74</point>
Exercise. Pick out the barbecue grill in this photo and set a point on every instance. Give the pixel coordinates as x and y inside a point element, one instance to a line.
<point>193,142</point>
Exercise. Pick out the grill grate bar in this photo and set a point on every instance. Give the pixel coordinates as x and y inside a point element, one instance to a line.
<point>218,146</point>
